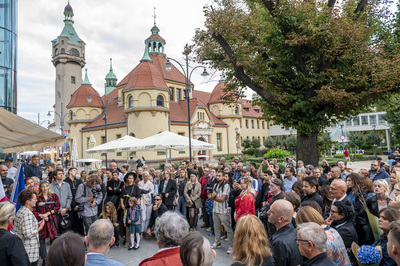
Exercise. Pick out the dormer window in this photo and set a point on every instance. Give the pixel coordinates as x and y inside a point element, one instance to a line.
<point>257,110</point>
<point>246,109</point>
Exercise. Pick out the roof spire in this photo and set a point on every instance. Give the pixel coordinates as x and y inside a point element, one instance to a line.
<point>223,77</point>
<point>155,16</point>
<point>69,14</point>
<point>86,81</point>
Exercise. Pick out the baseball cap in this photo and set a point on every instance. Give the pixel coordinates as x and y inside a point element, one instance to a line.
<point>244,169</point>
<point>9,159</point>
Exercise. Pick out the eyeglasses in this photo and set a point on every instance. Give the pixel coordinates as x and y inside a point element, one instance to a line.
<point>303,240</point>
<point>374,164</point>
<point>332,211</point>
<point>157,199</point>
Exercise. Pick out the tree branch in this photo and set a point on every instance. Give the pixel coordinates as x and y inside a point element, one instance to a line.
<point>360,8</point>
<point>239,71</point>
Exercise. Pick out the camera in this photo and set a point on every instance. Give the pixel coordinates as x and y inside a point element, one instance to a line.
<point>96,191</point>
<point>208,189</point>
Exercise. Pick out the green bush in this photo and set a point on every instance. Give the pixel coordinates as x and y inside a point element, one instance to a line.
<point>357,156</point>
<point>277,153</point>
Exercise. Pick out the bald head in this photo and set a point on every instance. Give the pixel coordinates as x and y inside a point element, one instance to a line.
<point>338,188</point>
<point>280,213</point>
<point>3,171</point>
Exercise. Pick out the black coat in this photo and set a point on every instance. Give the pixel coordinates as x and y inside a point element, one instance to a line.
<point>315,197</point>
<point>170,189</point>
<point>285,249</point>
<point>319,260</point>
<point>362,226</point>
<point>12,250</point>
<point>155,214</point>
<point>73,186</point>
<point>262,195</point>
<point>372,204</point>
<point>348,233</point>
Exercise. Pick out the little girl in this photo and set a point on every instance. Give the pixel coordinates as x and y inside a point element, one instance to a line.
<point>133,220</point>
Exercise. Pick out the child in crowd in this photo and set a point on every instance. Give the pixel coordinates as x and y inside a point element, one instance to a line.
<point>133,220</point>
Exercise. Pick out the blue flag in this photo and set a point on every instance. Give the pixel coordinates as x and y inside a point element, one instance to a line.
<point>18,186</point>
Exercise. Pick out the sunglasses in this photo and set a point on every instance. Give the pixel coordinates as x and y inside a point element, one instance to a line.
<point>157,199</point>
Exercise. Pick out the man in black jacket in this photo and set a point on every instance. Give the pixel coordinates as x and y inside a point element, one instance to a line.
<point>310,189</point>
<point>158,209</point>
<point>283,241</point>
<point>311,240</point>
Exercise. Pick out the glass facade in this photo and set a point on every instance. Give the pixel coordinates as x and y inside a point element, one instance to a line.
<point>8,55</point>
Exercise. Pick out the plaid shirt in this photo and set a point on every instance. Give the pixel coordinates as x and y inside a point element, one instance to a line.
<point>25,227</point>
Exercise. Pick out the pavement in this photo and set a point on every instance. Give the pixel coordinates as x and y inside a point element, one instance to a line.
<point>148,247</point>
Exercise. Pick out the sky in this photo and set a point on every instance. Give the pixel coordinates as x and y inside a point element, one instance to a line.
<point>111,29</point>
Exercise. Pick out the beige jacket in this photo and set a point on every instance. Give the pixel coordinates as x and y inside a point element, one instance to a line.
<point>194,195</point>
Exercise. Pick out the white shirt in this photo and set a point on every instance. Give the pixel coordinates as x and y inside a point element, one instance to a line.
<point>12,172</point>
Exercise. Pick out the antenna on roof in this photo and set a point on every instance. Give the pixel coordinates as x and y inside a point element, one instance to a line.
<point>154,16</point>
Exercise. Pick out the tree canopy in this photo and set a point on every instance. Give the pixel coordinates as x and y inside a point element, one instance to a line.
<point>311,63</point>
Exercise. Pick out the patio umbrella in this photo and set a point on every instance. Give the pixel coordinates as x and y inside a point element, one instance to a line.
<point>122,144</point>
<point>166,140</point>
<point>74,152</point>
<point>92,144</point>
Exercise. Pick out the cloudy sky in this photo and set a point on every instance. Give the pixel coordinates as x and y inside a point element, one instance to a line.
<point>111,29</point>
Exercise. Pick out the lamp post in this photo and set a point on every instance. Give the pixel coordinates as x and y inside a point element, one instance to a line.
<point>341,130</point>
<point>105,105</point>
<point>373,128</point>
<point>38,121</point>
<point>61,117</point>
<point>188,75</point>
<point>237,140</point>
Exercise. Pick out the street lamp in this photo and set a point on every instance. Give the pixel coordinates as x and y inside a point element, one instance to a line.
<point>188,75</point>
<point>237,140</point>
<point>374,127</point>
<point>105,105</point>
<point>38,121</point>
<point>341,136</point>
<point>61,117</point>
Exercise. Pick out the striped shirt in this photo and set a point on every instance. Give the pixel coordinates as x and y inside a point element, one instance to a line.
<point>223,189</point>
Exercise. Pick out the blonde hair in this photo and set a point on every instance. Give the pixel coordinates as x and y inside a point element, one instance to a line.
<point>250,242</point>
<point>249,181</point>
<point>397,173</point>
<point>36,180</point>
<point>309,214</point>
<point>7,210</point>
<point>42,184</point>
<point>384,184</point>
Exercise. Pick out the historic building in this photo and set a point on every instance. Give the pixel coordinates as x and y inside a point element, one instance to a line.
<point>148,100</point>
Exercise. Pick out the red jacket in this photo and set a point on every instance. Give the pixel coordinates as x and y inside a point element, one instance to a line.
<point>169,257</point>
<point>203,181</point>
<point>244,205</point>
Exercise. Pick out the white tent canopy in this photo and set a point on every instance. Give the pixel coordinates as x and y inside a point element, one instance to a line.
<point>169,140</point>
<point>122,144</point>
<point>18,134</point>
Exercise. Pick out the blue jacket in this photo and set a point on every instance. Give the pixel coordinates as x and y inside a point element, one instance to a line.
<point>33,170</point>
<point>97,259</point>
<point>381,174</point>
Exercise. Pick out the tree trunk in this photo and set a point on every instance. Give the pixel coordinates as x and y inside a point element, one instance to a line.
<point>307,149</point>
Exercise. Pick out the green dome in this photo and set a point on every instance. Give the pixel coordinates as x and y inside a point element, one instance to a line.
<point>111,74</point>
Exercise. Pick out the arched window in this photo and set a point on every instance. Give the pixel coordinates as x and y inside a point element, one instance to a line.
<point>74,52</point>
<point>62,50</point>
<point>56,51</point>
<point>236,110</point>
<point>130,101</point>
<point>160,101</point>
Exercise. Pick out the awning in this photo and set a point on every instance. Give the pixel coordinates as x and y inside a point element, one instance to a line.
<point>18,134</point>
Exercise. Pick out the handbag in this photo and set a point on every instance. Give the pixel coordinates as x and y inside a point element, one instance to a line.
<point>81,206</point>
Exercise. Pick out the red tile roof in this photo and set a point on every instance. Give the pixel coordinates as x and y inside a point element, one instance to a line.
<point>218,93</point>
<point>116,114</point>
<point>174,74</point>
<point>79,97</point>
<point>155,37</point>
<point>247,105</point>
<point>144,75</point>
<point>203,96</point>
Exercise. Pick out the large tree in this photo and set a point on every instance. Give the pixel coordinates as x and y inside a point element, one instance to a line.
<point>311,63</point>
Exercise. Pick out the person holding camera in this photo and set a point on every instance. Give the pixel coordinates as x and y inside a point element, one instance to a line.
<point>88,196</point>
<point>63,191</point>
<point>221,211</point>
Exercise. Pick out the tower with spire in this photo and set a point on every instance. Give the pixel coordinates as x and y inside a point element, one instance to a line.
<point>68,57</point>
<point>111,80</point>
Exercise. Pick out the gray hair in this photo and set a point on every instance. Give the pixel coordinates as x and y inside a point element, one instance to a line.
<point>170,229</point>
<point>7,210</point>
<point>100,233</point>
<point>313,232</point>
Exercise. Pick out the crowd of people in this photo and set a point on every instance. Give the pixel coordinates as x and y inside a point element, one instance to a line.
<point>302,215</point>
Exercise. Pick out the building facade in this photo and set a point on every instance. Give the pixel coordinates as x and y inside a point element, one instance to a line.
<point>8,55</point>
<point>147,101</point>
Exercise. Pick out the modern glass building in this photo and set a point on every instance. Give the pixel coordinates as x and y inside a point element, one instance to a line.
<point>8,55</point>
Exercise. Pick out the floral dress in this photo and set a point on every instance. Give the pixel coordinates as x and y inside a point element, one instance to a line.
<point>335,247</point>
<point>50,227</point>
